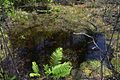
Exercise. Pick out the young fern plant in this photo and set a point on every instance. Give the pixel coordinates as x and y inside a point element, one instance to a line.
<point>56,68</point>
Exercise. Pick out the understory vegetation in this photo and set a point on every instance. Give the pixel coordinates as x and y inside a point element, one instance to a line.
<point>59,40</point>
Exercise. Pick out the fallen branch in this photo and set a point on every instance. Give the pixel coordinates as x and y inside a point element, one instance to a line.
<point>91,38</point>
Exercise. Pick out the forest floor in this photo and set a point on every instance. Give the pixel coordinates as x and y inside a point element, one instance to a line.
<point>27,24</point>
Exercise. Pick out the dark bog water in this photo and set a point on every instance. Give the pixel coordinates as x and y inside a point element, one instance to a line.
<point>95,53</point>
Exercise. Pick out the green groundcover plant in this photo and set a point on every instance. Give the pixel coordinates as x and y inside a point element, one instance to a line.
<point>56,69</point>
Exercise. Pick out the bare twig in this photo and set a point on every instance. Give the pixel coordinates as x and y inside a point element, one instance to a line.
<point>91,38</point>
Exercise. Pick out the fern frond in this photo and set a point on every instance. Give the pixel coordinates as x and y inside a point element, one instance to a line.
<point>61,70</point>
<point>47,70</point>
<point>56,57</point>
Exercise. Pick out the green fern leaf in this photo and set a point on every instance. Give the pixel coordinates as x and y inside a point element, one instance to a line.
<point>61,70</point>
<point>56,57</point>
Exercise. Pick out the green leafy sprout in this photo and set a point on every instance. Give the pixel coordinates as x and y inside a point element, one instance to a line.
<point>35,69</point>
